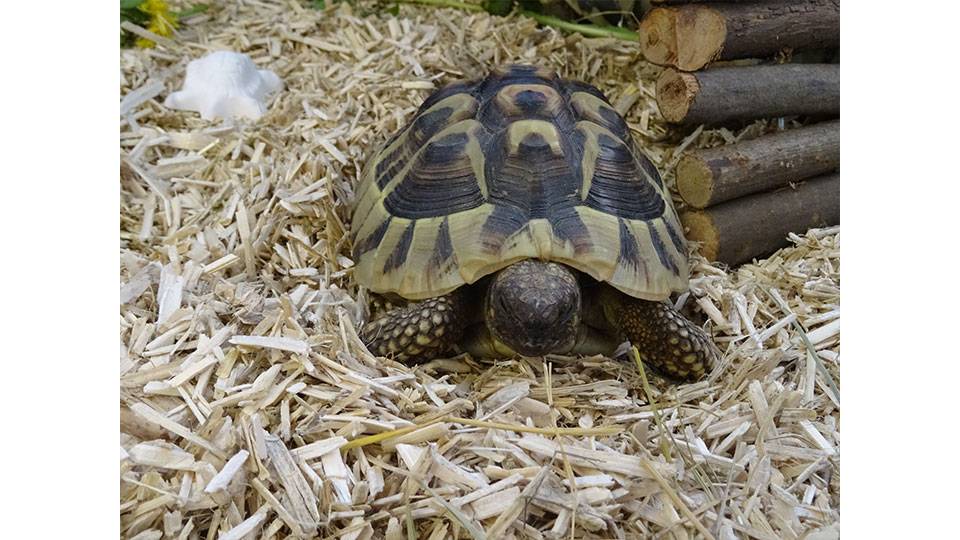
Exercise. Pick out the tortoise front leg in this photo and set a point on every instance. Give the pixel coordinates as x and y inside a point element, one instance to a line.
<point>667,341</point>
<point>421,330</point>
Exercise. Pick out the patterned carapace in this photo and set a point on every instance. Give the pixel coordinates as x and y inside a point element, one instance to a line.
<point>521,164</point>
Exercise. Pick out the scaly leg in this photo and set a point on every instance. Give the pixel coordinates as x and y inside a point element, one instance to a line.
<point>667,341</point>
<point>420,331</point>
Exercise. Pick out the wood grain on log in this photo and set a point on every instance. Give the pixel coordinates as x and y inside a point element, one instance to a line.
<point>707,177</point>
<point>746,93</point>
<point>751,227</point>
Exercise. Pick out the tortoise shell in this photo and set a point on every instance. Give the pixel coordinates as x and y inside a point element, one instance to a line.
<point>521,164</point>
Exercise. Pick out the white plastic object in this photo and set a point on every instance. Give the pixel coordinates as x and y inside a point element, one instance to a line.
<point>225,84</point>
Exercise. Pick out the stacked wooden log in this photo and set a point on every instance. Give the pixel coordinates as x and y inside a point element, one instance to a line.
<point>744,199</point>
<point>690,35</point>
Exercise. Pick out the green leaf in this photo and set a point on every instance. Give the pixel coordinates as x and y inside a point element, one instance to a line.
<point>135,16</point>
<point>130,4</point>
<point>318,4</point>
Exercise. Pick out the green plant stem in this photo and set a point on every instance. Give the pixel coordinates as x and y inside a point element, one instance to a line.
<point>585,29</point>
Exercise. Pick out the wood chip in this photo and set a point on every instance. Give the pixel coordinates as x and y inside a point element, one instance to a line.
<point>144,411</point>
<point>605,461</point>
<point>825,332</point>
<point>432,432</point>
<point>226,474</point>
<point>336,471</point>
<point>164,455</point>
<point>280,343</point>
<point>245,527</point>
<point>300,500</point>
<point>495,503</point>
<point>319,448</point>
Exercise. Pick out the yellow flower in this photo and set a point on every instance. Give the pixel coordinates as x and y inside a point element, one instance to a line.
<point>162,22</point>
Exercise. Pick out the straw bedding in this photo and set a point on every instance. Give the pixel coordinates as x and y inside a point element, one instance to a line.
<point>249,409</point>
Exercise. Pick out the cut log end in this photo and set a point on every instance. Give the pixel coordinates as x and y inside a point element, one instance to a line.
<point>700,228</point>
<point>657,34</point>
<point>685,38</point>
<point>689,37</point>
<point>676,91</point>
<point>695,181</point>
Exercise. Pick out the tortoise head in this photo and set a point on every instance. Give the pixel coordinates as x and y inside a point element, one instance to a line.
<point>534,307</point>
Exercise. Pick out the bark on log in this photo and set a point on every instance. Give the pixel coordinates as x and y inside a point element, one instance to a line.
<point>688,37</point>
<point>746,93</point>
<point>743,229</point>
<point>715,175</point>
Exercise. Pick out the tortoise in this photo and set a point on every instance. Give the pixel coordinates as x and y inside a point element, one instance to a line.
<point>515,216</point>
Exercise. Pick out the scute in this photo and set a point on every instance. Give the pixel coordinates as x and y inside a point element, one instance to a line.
<point>521,101</point>
<point>613,187</point>
<point>442,180</point>
<point>521,164</point>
